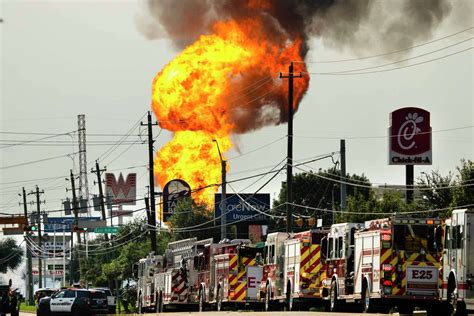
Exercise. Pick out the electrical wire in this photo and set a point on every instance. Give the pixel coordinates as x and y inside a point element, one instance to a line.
<point>415,187</point>
<point>404,60</point>
<point>390,69</point>
<point>36,161</point>
<point>388,53</point>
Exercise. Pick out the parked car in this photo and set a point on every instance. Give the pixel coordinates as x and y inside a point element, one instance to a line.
<point>75,301</point>
<point>43,292</point>
<point>9,300</point>
<point>98,302</point>
<point>111,302</point>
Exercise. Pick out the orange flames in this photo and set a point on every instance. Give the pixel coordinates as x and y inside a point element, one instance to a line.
<point>212,89</point>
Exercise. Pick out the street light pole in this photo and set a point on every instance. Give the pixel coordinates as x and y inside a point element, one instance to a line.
<point>223,195</point>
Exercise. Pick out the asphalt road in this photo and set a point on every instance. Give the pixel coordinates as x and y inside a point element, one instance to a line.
<point>246,313</point>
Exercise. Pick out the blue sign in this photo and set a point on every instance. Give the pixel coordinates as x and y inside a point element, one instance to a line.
<point>244,208</point>
<point>60,224</point>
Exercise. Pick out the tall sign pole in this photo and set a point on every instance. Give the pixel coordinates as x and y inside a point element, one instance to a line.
<point>151,169</point>
<point>289,160</point>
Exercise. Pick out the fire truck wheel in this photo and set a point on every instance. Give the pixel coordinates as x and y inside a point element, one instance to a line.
<point>268,295</point>
<point>333,304</point>
<point>367,304</point>
<point>220,294</point>
<point>289,298</point>
<point>201,300</point>
<point>140,304</point>
<point>461,309</point>
<point>159,303</point>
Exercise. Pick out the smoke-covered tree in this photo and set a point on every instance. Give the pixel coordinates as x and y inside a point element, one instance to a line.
<point>10,255</point>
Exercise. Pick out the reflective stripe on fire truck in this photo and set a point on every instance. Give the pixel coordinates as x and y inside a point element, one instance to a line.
<point>233,272</point>
<point>178,287</point>
<point>311,265</point>
<point>240,289</point>
<point>389,257</point>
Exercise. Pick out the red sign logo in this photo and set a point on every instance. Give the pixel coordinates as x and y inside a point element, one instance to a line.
<point>122,191</point>
<point>410,136</point>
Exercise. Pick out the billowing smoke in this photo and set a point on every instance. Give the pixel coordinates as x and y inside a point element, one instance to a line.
<point>344,24</point>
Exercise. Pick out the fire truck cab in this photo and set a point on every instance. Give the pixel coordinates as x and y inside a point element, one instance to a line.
<point>145,271</point>
<point>272,291</point>
<point>339,283</point>
<point>398,263</point>
<point>458,264</point>
<point>186,268</point>
<point>304,266</point>
<point>237,273</point>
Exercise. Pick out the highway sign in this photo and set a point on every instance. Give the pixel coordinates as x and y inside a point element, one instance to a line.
<point>106,230</point>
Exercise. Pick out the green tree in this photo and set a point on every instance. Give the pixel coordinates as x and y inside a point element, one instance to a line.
<point>193,220</point>
<point>317,190</point>
<point>464,191</point>
<point>10,255</point>
<point>436,190</point>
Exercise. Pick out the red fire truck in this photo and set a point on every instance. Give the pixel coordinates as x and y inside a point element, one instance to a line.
<point>458,265</point>
<point>294,268</point>
<point>339,283</point>
<point>186,271</point>
<point>386,263</point>
<point>237,274</point>
<point>305,267</point>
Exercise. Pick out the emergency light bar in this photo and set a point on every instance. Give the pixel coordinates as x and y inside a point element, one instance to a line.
<point>415,221</point>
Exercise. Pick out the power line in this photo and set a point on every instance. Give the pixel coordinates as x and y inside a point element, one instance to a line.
<point>36,161</point>
<point>384,136</point>
<point>390,69</point>
<point>389,53</point>
<point>403,60</point>
<point>35,140</point>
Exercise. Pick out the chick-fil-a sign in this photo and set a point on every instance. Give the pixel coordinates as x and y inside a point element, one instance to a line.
<point>410,137</point>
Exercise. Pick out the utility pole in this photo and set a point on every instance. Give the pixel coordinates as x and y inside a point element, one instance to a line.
<point>151,169</point>
<point>29,263</point>
<point>76,220</point>
<point>40,263</point>
<point>101,193</point>
<point>223,195</point>
<point>343,175</point>
<point>289,162</point>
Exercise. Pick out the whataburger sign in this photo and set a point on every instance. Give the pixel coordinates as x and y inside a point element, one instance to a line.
<point>409,137</point>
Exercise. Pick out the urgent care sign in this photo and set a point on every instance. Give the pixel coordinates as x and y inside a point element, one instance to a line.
<point>409,137</point>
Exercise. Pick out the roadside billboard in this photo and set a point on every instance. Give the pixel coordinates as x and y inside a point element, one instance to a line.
<point>244,207</point>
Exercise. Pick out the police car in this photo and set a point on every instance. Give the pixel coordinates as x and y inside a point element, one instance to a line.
<point>73,301</point>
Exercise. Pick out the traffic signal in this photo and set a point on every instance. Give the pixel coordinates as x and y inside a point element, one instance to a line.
<point>30,228</point>
<point>78,229</point>
<point>299,222</point>
<point>311,221</point>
